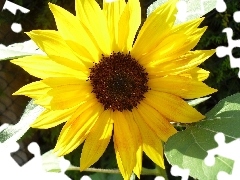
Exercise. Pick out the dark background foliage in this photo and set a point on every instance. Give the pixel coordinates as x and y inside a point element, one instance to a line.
<point>222,77</point>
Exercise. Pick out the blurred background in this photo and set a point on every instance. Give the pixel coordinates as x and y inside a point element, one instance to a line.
<point>222,77</point>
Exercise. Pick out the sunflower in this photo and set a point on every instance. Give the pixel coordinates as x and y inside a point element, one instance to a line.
<point>104,79</point>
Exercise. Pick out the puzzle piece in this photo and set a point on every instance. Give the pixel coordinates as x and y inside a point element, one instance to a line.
<point>159,178</point>
<point>177,171</point>
<point>182,11</point>
<point>85,178</point>
<point>236,16</point>
<point>222,51</point>
<point>189,9</point>
<point>33,169</point>
<point>221,6</point>
<point>5,156</point>
<point>12,7</point>
<point>229,150</point>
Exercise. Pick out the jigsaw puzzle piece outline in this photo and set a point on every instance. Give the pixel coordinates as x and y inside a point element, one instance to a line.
<point>222,51</point>
<point>236,16</point>
<point>33,169</point>
<point>12,7</point>
<point>177,171</point>
<point>221,6</point>
<point>228,150</point>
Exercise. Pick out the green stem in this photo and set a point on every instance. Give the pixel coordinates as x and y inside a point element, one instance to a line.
<point>157,171</point>
<point>162,172</point>
<point>110,171</point>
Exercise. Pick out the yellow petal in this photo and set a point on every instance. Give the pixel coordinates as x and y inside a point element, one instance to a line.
<point>44,100</point>
<point>173,46</point>
<point>156,26</point>
<point>193,39</point>
<point>130,118</point>
<point>152,144</point>
<point>113,11</point>
<point>180,86</point>
<point>43,67</point>
<point>179,65</point>
<point>193,34</point>
<point>97,140</point>
<point>49,118</point>
<point>38,91</point>
<point>66,92</point>
<point>166,50</point>
<point>197,74</point>
<point>70,98</point>
<point>125,143</point>
<point>60,81</point>
<point>76,130</point>
<point>128,25</point>
<point>80,109</point>
<point>69,95</point>
<point>56,48</point>
<point>120,165</point>
<point>33,90</point>
<point>138,167</point>
<point>160,125</point>
<point>172,107</point>
<point>187,27</point>
<point>91,15</point>
<point>75,34</point>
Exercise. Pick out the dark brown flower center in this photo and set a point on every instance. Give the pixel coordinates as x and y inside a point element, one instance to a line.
<point>119,82</point>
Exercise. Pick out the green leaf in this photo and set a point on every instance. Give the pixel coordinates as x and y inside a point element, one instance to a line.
<point>228,108</point>
<point>193,8</point>
<point>15,132</point>
<point>188,148</point>
<point>19,50</point>
<point>197,101</point>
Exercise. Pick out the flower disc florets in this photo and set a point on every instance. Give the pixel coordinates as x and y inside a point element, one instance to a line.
<point>119,81</point>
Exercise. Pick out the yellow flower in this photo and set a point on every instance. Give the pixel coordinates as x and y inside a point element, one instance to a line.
<point>100,80</point>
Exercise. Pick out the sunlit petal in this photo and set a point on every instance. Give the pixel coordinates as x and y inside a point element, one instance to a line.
<point>75,131</point>
<point>91,16</point>
<point>184,87</point>
<point>173,107</point>
<point>128,25</point>
<point>46,68</point>
<point>125,145</point>
<point>97,140</point>
<point>152,145</point>
<point>113,11</point>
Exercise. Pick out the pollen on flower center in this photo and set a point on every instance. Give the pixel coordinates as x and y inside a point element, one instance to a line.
<point>119,81</point>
